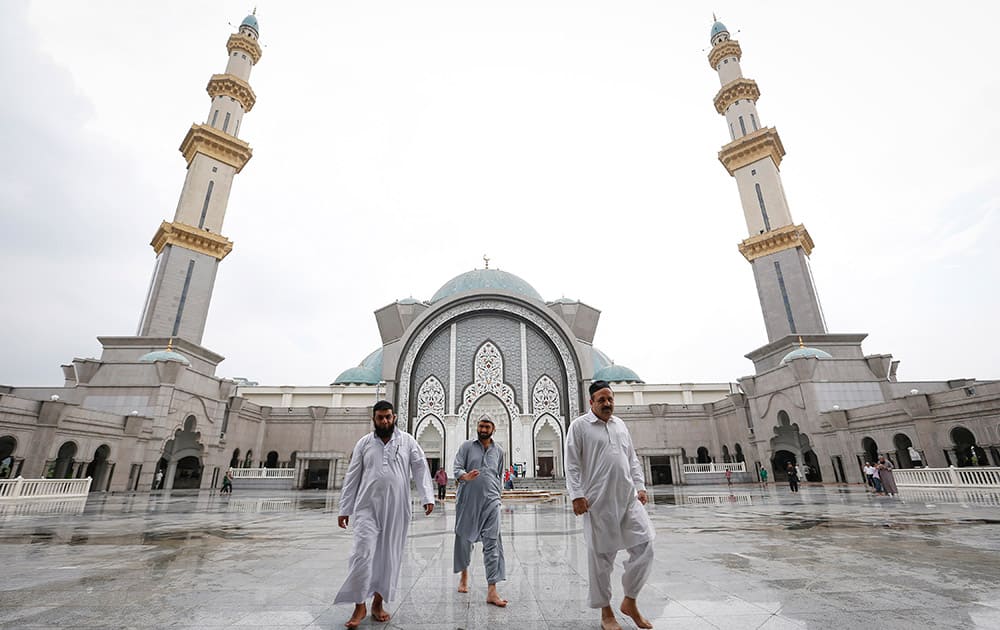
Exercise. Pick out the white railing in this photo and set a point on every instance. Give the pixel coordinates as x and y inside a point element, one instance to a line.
<point>263,473</point>
<point>690,469</point>
<point>951,477</point>
<point>716,499</point>
<point>20,488</point>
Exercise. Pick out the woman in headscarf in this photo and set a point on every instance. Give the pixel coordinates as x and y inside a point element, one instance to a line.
<point>885,474</point>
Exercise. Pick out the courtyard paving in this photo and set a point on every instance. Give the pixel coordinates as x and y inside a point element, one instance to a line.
<point>828,557</point>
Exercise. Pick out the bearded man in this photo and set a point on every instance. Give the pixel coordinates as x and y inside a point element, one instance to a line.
<point>479,469</point>
<point>376,494</point>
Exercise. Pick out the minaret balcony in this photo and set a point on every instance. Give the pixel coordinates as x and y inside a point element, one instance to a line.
<point>776,240</point>
<point>754,146</point>
<point>735,90</point>
<point>727,48</point>
<point>190,237</point>
<point>215,144</point>
<point>244,43</point>
<point>231,85</point>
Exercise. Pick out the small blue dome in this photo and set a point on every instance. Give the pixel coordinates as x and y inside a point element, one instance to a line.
<point>164,355</point>
<point>616,374</point>
<point>251,21</point>
<point>480,279</point>
<point>717,28</point>
<point>806,352</point>
<point>408,300</point>
<point>368,373</point>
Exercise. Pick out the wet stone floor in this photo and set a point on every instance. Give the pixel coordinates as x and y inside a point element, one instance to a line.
<point>828,557</point>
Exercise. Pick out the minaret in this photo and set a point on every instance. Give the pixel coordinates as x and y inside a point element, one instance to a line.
<point>778,250</point>
<point>188,250</point>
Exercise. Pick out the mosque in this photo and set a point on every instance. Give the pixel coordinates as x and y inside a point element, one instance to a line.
<point>485,344</point>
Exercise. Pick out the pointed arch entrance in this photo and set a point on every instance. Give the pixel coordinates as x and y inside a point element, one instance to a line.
<point>791,445</point>
<point>183,454</point>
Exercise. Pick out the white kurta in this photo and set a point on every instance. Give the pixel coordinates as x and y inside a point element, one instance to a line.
<point>376,495</point>
<point>601,465</point>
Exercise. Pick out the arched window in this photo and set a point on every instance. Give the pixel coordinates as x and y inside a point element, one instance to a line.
<point>753,121</point>
<point>743,126</point>
<point>725,454</point>
<point>272,460</point>
<point>215,117</point>
<point>739,453</point>
<point>225,125</point>
<point>703,457</point>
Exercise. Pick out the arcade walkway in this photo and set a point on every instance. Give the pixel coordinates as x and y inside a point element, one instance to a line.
<point>829,557</point>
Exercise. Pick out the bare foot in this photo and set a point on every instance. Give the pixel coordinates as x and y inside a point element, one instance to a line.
<point>629,608</point>
<point>360,612</point>
<point>378,612</point>
<point>608,621</point>
<point>492,597</point>
<point>463,582</point>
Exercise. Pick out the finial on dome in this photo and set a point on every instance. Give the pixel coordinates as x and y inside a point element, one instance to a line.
<point>714,19</point>
<point>170,344</point>
<point>254,10</point>
<point>486,259</point>
<point>801,345</point>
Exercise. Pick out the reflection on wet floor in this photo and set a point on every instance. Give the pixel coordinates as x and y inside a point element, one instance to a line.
<point>746,557</point>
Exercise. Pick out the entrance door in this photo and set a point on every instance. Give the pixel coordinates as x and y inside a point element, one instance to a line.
<point>317,474</point>
<point>659,468</point>
<point>545,465</point>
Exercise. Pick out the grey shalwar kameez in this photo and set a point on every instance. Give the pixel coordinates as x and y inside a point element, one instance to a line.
<point>477,508</point>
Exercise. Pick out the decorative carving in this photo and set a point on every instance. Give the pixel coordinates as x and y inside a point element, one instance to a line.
<point>488,379</point>
<point>431,398</point>
<point>245,43</point>
<point>776,240</point>
<point>547,420</point>
<point>754,146</point>
<point>735,90</point>
<point>545,397</point>
<point>215,144</point>
<point>446,316</point>
<point>231,85</point>
<point>728,48</point>
<point>192,238</point>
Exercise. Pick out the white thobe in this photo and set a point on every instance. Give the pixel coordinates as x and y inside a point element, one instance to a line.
<point>376,495</point>
<point>602,466</point>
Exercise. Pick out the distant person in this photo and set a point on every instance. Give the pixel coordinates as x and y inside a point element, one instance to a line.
<point>227,482</point>
<point>729,478</point>
<point>793,477</point>
<point>763,476</point>
<point>158,480</point>
<point>441,479</point>
<point>869,471</point>
<point>886,476</point>
<point>876,480</point>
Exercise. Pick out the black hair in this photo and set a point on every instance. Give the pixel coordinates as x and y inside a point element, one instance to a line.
<point>597,386</point>
<point>382,405</point>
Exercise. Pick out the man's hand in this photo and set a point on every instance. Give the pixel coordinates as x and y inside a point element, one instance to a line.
<point>428,508</point>
<point>581,506</point>
<point>642,497</point>
<point>469,476</point>
<point>342,521</point>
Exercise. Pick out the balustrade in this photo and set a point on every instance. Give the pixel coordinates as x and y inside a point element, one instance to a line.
<point>951,477</point>
<point>263,473</point>
<point>714,468</point>
<point>21,488</point>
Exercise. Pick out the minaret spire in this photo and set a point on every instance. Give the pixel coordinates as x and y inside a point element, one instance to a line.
<point>776,248</point>
<point>190,247</point>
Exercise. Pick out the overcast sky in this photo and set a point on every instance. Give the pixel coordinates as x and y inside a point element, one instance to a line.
<point>573,142</point>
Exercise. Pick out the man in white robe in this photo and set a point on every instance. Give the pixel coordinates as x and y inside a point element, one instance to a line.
<point>376,495</point>
<point>605,482</point>
<point>479,469</point>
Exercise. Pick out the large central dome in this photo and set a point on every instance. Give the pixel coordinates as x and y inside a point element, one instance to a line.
<point>484,279</point>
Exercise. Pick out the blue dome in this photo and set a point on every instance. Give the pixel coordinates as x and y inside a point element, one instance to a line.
<point>600,359</point>
<point>616,374</point>
<point>717,28</point>
<point>164,355</point>
<point>482,279</point>
<point>358,376</point>
<point>368,373</point>
<point>806,352</point>
<point>251,21</point>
